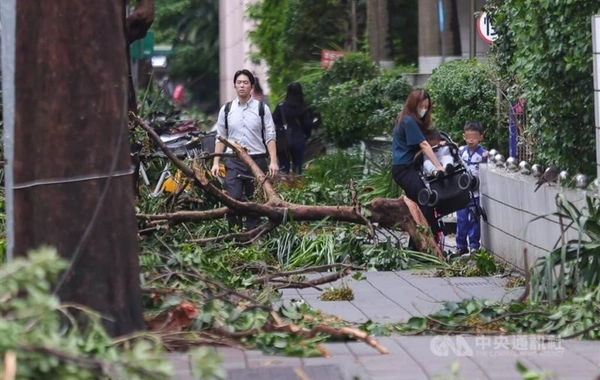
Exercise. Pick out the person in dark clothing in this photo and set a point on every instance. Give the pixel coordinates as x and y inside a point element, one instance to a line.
<point>258,93</point>
<point>293,122</point>
<point>408,139</point>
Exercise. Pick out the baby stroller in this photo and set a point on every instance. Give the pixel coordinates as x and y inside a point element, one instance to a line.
<point>451,192</point>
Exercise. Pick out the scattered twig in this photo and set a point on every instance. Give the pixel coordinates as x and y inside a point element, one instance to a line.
<point>525,294</point>
<point>331,331</point>
<point>245,237</point>
<point>358,208</point>
<point>512,315</point>
<point>315,269</point>
<point>318,281</point>
<point>586,330</point>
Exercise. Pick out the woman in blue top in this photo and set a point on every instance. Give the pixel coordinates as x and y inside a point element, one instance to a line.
<point>413,120</point>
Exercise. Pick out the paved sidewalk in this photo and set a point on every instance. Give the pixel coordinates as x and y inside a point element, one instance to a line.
<point>386,297</point>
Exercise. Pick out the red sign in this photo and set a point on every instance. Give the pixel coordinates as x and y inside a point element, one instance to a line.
<point>329,56</point>
<point>485,29</point>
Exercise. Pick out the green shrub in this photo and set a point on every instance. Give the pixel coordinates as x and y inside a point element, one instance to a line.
<point>353,66</point>
<point>463,91</point>
<point>352,112</point>
<point>547,57</point>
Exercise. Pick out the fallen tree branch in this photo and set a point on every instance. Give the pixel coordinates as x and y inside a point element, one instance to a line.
<point>242,237</point>
<point>328,330</point>
<point>275,277</point>
<point>358,208</point>
<point>385,212</point>
<point>140,20</point>
<point>525,294</point>
<point>186,216</point>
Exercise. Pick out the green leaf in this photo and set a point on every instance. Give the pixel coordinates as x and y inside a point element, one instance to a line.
<point>417,323</point>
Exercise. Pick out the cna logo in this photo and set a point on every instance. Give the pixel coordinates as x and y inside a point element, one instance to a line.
<point>443,345</point>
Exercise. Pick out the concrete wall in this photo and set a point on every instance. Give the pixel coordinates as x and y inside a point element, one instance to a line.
<point>511,206</point>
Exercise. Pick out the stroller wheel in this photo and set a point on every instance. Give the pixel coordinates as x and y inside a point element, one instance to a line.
<point>433,200</point>
<point>424,196</point>
<point>475,184</point>
<point>464,181</point>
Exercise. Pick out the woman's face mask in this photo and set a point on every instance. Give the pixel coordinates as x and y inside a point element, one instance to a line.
<point>422,112</point>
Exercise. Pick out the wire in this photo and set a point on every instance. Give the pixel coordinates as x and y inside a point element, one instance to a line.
<point>57,181</point>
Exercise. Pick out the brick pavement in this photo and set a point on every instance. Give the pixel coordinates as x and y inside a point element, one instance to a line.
<point>386,297</point>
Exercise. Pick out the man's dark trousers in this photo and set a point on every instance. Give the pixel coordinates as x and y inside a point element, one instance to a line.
<point>239,184</point>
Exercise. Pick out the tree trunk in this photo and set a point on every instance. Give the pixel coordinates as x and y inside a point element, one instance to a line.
<point>377,25</point>
<point>72,170</point>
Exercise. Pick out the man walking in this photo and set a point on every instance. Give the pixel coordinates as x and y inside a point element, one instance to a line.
<point>244,121</point>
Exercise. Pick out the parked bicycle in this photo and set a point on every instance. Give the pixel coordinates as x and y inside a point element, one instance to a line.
<point>186,146</point>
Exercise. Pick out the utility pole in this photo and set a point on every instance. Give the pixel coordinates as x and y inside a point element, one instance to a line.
<point>596,61</point>
<point>472,43</point>
<point>7,19</point>
<point>354,29</point>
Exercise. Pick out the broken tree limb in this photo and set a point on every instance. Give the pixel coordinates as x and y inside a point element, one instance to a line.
<point>268,188</point>
<point>385,212</point>
<point>314,283</point>
<point>328,330</point>
<point>140,20</point>
<point>186,216</point>
<point>242,237</point>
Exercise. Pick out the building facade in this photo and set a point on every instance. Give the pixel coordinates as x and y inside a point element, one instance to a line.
<point>235,47</point>
<point>434,50</point>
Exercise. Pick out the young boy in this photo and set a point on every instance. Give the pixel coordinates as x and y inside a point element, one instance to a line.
<point>442,152</point>
<point>467,223</point>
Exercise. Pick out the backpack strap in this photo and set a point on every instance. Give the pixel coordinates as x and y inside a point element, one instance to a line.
<point>227,109</point>
<point>261,113</point>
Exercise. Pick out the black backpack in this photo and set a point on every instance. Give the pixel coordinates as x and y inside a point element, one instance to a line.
<point>261,113</point>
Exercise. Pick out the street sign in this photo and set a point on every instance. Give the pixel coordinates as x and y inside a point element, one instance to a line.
<point>485,29</point>
<point>144,48</point>
<point>328,57</point>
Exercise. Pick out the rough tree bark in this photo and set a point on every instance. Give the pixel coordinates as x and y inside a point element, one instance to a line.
<point>72,170</point>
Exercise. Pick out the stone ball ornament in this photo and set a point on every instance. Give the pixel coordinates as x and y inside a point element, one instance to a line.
<point>499,159</point>
<point>581,181</point>
<point>492,155</point>
<point>537,170</point>
<point>524,168</point>
<point>511,164</point>
<point>594,186</point>
<point>563,176</point>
